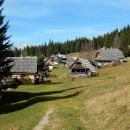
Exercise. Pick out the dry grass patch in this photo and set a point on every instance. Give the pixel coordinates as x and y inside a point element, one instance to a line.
<point>110,111</point>
<point>54,123</point>
<point>84,54</point>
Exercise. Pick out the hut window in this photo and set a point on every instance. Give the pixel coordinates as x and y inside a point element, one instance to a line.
<point>82,70</point>
<point>23,75</point>
<point>73,70</point>
<point>78,70</point>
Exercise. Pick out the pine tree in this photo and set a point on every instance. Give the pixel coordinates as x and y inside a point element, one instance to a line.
<point>5,47</point>
<point>124,44</point>
<point>116,41</point>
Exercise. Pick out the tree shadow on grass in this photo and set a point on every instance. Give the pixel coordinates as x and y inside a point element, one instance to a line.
<point>14,101</point>
<point>51,83</point>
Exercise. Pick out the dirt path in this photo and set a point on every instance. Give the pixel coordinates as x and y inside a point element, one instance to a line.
<point>44,120</point>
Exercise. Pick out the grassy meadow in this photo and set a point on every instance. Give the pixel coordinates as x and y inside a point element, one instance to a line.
<point>97,103</point>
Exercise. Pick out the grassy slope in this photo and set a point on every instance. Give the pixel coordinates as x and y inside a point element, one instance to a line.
<point>98,103</point>
<point>84,54</point>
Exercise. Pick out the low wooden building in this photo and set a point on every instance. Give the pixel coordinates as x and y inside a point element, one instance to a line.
<point>48,63</point>
<point>109,55</point>
<point>24,67</point>
<point>61,59</point>
<point>83,67</point>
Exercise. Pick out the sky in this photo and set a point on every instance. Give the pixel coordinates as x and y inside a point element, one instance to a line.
<point>35,22</point>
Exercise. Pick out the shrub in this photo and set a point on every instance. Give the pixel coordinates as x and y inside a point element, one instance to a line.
<point>26,81</point>
<point>23,81</point>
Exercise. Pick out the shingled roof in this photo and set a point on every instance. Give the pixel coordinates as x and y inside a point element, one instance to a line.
<point>24,65</point>
<point>85,63</point>
<point>70,60</point>
<point>109,54</point>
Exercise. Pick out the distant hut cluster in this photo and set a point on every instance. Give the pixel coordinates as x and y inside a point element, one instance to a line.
<point>80,67</point>
<point>59,60</point>
<point>85,67</point>
<point>26,67</point>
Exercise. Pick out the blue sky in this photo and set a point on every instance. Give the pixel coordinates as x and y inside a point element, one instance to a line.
<point>36,21</point>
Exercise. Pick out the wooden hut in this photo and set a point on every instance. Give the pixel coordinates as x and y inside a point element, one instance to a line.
<point>83,67</point>
<point>24,67</point>
<point>109,55</point>
<point>48,63</point>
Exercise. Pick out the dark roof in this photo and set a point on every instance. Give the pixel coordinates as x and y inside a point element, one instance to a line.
<point>73,63</point>
<point>110,54</point>
<point>24,64</point>
<point>78,66</point>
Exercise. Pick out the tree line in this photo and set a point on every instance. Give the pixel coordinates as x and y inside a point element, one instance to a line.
<point>117,39</point>
<point>54,48</point>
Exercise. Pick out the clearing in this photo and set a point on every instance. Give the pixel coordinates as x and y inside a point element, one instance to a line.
<point>97,103</point>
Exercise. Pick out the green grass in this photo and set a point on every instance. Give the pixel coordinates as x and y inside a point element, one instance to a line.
<point>97,103</point>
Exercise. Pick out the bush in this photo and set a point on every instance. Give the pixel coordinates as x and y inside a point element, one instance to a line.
<point>23,81</point>
<point>8,84</point>
<point>17,81</point>
<point>26,81</point>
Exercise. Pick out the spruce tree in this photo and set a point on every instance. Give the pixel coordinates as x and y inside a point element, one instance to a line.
<point>116,41</point>
<point>5,47</point>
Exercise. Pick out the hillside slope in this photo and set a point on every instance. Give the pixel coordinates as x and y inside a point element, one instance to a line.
<point>84,54</point>
<point>97,103</point>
